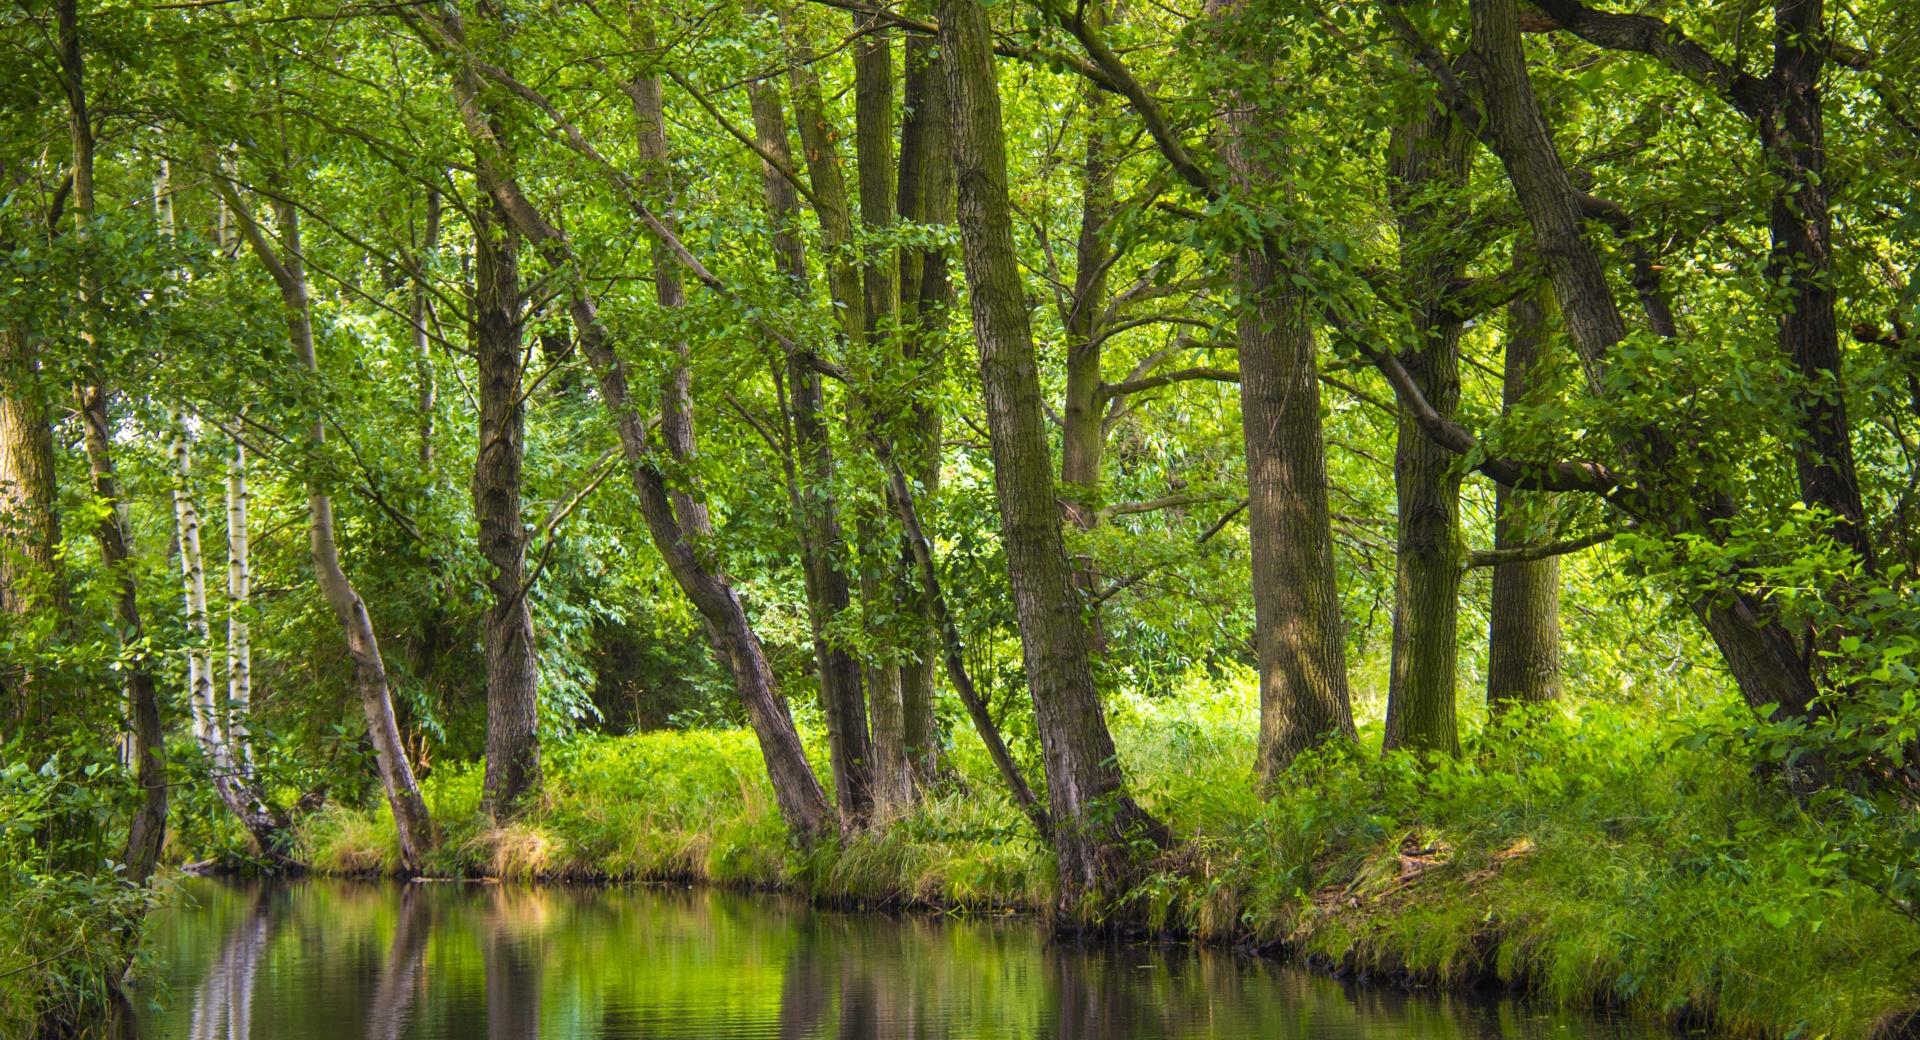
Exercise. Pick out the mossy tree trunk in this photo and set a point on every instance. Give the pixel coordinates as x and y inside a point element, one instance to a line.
<point>1099,833</point>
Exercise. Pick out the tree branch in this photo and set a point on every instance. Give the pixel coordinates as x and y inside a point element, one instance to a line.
<point>1542,551</point>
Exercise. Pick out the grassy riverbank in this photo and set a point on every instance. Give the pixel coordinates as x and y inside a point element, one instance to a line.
<point>1605,862</point>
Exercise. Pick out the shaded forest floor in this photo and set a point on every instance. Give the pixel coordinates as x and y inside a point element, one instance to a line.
<point>1610,861</point>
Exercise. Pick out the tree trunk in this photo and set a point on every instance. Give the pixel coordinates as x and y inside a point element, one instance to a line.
<point>1298,632</point>
<point>239,714</point>
<point>844,703</point>
<point>33,588</point>
<point>412,823</point>
<point>513,670</point>
<point>1801,229</point>
<point>146,832</point>
<point>803,805</point>
<point>265,826</point>
<point>425,390</point>
<point>1083,435</point>
<point>30,573</point>
<point>926,197</point>
<point>1427,167</point>
<point>1523,628</point>
<point>193,582</point>
<point>1765,658</point>
<point>1098,830</point>
<point>885,579</point>
<point>816,509</point>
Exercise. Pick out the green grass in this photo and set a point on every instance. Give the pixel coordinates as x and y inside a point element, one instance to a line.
<point>1597,860</point>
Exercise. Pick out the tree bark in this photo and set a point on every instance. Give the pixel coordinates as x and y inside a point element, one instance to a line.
<point>32,581</point>
<point>1523,628</point>
<point>287,265</point>
<point>926,197</point>
<point>146,832</point>
<point>1801,228</point>
<point>885,579</point>
<point>30,574</point>
<point>1098,830</point>
<point>265,826</point>
<point>1298,632</point>
<point>1426,169</point>
<point>513,670</point>
<point>803,805</point>
<point>1765,658</point>
<point>239,715</point>
<point>847,281</point>
<point>1083,435</point>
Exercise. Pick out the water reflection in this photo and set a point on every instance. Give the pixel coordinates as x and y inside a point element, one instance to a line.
<point>336,959</point>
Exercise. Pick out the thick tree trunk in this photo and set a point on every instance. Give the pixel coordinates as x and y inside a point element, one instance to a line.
<point>1298,632</point>
<point>412,823</point>
<point>1098,830</point>
<point>1428,165</point>
<point>146,832</point>
<point>1523,628</point>
<point>33,587</point>
<point>513,670</point>
<point>803,805</point>
<point>1765,658</point>
<point>926,197</point>
<point>30,573</point>
<point>1801,229</point>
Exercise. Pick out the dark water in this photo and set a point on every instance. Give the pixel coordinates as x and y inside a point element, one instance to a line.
<point>337,960</point>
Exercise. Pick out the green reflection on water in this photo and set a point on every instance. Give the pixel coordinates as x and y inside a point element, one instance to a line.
<point>341,959</point>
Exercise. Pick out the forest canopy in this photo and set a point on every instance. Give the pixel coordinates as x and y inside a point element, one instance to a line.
<point>401,398</point>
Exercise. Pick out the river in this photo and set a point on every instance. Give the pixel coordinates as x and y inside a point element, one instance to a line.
<point>338,959</point>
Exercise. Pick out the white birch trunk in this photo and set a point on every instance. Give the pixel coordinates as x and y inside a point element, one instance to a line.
<point>193,580</point>
<point>239,593</point>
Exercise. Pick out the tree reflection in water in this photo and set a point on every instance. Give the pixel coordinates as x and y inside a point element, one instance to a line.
<point>326,959</point>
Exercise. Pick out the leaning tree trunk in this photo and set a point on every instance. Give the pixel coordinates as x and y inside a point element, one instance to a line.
<point>1765,658</point>
<point>1427,166</point>
<point>1523,627</point>
<point>1298,633</point>
<point>513,670</point>
<point>147,830</point>
<point>926,197</point>
<point>1098,830</point>
<point>412,823</point>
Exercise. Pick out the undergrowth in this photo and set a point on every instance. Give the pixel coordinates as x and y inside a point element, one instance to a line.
<point>1605,859</point>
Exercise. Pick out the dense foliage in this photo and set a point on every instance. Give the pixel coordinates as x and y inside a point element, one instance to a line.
<point>1023,452</point>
